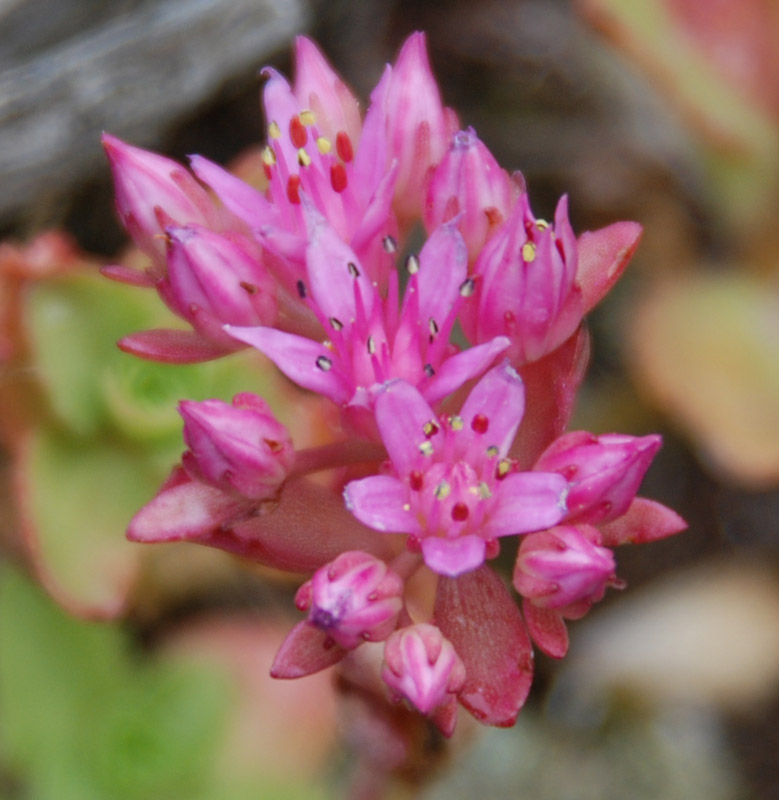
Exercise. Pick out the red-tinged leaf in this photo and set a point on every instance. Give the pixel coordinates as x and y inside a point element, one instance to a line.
<point>183,511</point>
<point>307,527</point>
<point>171,346</point>
<point>645,521</point>
<point>305,650</point>
<point>551,384</point>
<point>547,629</point>
<point>128,275</point>
<point>603,255</point>
<point>445,717</point>
<point>479,616</point>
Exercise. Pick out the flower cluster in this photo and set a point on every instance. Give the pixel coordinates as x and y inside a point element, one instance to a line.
<point>437,451</point>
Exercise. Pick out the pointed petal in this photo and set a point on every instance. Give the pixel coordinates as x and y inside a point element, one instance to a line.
<point>381,502</point>
<point>458,369</point>
<point>500,397</point>
<point>480,618</point>
<point>305,650</point>
<point>453,557</point>
<point>401,414</point>
<point>443,266</point>
<point>172,346</point>
<point>603,255</point>
<point>527,501</point>
<point>645,521</point>
<point>301,360</point>
<point>547,629</point>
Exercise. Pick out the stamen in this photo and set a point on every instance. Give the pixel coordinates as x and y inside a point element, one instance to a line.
<point>480,424</point>
<point>304,159</point>
<point>371,345</point>
<point>324,363</point>
<point>460,512</point>
<point>416,481</point>
<point>456,423</point>
<point>528,252</point>
<point>467,287</point>
<point>432,326</point>
<point>343,146</point>
<point>484,491</point>
<point>389,244</point>
<point>293,189</point>
<point>353,271</point>
<point>503,468</point>
<point>336,324</point>
<point>492,451</point>
<point>442,491</point>
<point>268,156</point>
<point>297,133</point>
<point>274,131</point>
<point>412,265</point>
<point>323,145</point>
<point>249,288</point>
<point>308,118</point>
<point>426,448</point>
<point>301,287</point>
<point>542,224</point>
<point>429,371</point>
<point>338,178</point>
<point>430,428</point>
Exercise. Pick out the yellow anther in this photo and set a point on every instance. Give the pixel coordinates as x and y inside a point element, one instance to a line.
<point>426,449</point>
<point>504,467</point>
<point>323,145</point>
<point>456,423</point>
<point>429,428</point>
<point>303,158</point>
<point>274,131</point>
<point>442,491</point>
<point>308,117</point>
<point>528,252</point>
<point>542,224</point>
<point>492,451</point>
<point>268,156</point>
<point>484,491</point>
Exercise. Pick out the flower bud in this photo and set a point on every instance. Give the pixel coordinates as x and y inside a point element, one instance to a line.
<point>564,568</point>
<point>152,192</point>
<point>527,274</point>
<point>469,181</point>
<point>604,472</point>
<point>422,666</point>
<point>355,598</point>
<point>215,279</point>
<point>240,447</point>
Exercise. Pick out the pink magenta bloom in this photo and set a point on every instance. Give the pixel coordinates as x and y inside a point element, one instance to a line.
<point>604,471</point>
<point>452,487</point>
<point>525,277</point>
<point>469,182</point>
<point>240,447</point>
<point>354,599</point>
<point>152,192</point>
<point>369,340</point>
<point>421,666</point>
<point>564,568</point>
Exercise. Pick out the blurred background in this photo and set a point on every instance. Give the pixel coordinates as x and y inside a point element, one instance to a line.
<point>131,674</point>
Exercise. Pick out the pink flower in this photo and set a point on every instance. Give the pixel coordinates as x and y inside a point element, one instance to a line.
<point>354,599</point>
<point>604,471</point>
<point>153,192</point>
<point>239,447</point>
<point>421,666</point>
<point>564,568</point>
<point>369,340</point>
<point>452,487</point>
<point>469,184</point>
<point>526,285</point>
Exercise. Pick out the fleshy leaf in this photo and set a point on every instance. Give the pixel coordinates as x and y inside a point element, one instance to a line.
<point>305,650</point>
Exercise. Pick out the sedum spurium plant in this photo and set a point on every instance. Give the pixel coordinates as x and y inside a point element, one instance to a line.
<point>440,449</point>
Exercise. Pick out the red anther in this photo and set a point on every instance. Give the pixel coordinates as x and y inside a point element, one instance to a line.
<point>480,423</point>
<point>460,512</point>
<point>415,481</point>
<point>297,132</point>
<point>267,170</point>
<point>293,189</point>
<point>343,146</point>
<point>338,177</point>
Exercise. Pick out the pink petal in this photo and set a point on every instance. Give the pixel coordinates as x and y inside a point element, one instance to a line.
<point>381,502</point>
<point>645,521</point>
<point>443,266</point>
<point>305,650</point>
<point>547,629</point>
<point>302,360</point>
<point>453,557</point>
<point>603,255</point>
<point>458,369</point>
<point>172,346</point>
<point>527,501</point>
<point>401,414</point>
<point>500,397</point>
<point>480,618</point>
